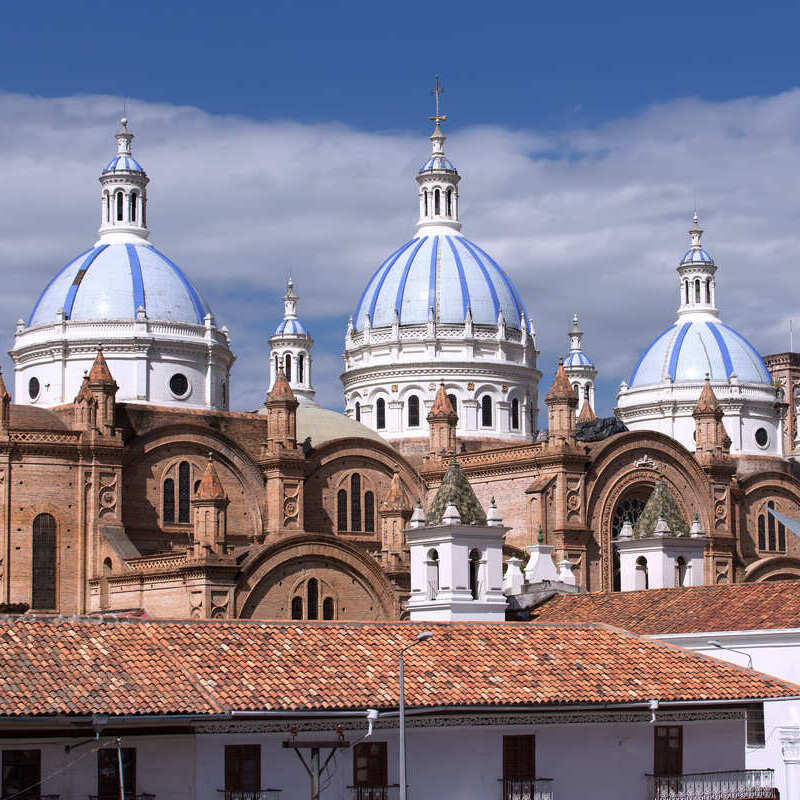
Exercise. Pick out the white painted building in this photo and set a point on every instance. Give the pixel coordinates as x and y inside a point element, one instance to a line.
<point>440,308</point>
<point>159,337</point>
<point>663,388</point>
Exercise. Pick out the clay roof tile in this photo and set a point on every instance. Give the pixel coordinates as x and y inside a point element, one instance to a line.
<point>100,373</point>
<point>561,388</point>
<point>210,487</point>
<point>396,498</point>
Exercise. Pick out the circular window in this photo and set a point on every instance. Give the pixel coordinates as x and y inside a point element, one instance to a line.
<point>762,437</point>
<point>33,388</point>
<point>179,385</point>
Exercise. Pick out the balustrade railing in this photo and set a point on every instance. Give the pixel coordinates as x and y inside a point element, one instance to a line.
<point>746,784</point>
<point>374,792</point>
<point>516,789</point>
<point>251,794</point>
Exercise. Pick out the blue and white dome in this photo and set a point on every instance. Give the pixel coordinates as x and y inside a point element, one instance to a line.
<point>697,256</point>
<point>577,359</point>
<point>123,162</point>
<point>688,350</point>
<point>448,273</point>
<point>437,162</point>
<point>290,327</point>
<point>112,281</point>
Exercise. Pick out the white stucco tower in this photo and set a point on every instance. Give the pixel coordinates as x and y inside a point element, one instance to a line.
<point>159,337</point>
<point>667,380</point>
<point>290,346</point>
<point>440,308</point>
<point>579,369</point>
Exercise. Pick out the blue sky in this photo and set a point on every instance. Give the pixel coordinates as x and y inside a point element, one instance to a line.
<point>584,132</point>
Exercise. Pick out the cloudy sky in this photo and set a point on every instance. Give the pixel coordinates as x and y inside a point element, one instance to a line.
<point>586,211</point>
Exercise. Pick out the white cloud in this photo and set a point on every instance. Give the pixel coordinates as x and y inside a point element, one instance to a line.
<point>587,220</point>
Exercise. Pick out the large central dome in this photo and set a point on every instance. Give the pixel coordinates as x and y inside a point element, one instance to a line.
<point>445,272</point>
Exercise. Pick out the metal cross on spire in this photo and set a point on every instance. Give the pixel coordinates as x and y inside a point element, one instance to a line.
<point>437,92</point>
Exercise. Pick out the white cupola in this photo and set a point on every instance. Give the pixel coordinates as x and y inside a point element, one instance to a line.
<point>579,369</point>
<point>123,200</point>
<point>290,348</point>
<point>696,271</point>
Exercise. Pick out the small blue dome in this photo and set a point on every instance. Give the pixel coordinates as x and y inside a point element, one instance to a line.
<point>289,327</point>
<point>688,350</point>
<point>577,359</point>
<point>446,272</point>
<point>437,162</point>
<point>128,163</point>
<point>692,256</point>
<point>111,281</point>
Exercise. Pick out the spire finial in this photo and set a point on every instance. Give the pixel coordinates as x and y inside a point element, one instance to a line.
<point>124,138</point>
<point>437,93</point>
<point>696,232</point>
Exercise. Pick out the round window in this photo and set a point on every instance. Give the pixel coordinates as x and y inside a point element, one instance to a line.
<point>179,384</point>
<point>33,388</point>
<point>762,437</point>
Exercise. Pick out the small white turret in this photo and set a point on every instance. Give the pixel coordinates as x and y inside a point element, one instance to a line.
<point>581,372</point>
<point>290,348</point>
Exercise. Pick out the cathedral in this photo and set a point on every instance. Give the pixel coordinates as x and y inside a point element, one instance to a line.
<point>128,483</point>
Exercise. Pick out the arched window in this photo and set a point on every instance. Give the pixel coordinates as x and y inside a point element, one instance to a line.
<point>108,567</point>
<point>437,202</point>
<point>474,567</point>
<point>369,512</point>
<point>300,367</point>
<point>486,411</point>
<point>771,543</point>
<point>168,504</point>
<point>132,207</point>
<point>312,593</point>
<point>641,581</point>
<point>515,414</point>
<point>327,608</point>
<point>453,402</point>
<point>449,203</point>
<point>341,510</point>
<point>119,207</point>
<point>413,411</point>
<point>686,291</point>
<point>762,532</point>
<point>43,588</point>
<point>697,290</point>
<point>432,574</point>
<point>297,607</point>
<point>355,502</point>
<point>380,414</point>
<point>184,495</point>
<point>287,367</point>
<point>425,194</point>
<point>358,411</point>
<point>708,290</point>
<point>680,571</point>
<point>106,207</point>
<point>277,365</point>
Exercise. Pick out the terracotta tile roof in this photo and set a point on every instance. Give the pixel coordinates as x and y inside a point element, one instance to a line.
<point>442,408</point>
<point>694,609</point>
<point>396,498</point>
<point>61,665</point>
<point>210,487</point>
<point>3,390</point>
<point>561,388</point>
<point>587,414</point>
<point>281,390</point>
<point>707,403</point>
<point>32,418</point>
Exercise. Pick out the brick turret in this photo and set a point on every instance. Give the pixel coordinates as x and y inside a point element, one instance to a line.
<point>281,415</point>
<point>442,420</point>
<point>395,509</point>
<point>103,388</point>
<point>209,506</point>
<point>561,400</point>
<point>711,440</point>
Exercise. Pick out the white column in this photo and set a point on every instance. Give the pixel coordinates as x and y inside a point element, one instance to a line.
<point>790,750</point>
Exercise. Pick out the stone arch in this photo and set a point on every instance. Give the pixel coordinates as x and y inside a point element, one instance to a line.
<point>335,461</point>
<point>271,573</point>
<point>757,491</point>
<point>774,568</point>
<point>634,461</point>
<point>148,456</point>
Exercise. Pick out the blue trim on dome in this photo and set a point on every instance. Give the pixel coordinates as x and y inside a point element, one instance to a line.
<point>461,277</point>
<point>128,163</point>
<point>676,350</point>
<point>759,361</point>
<point>511,288</point>
<point>139,300</point>
<point>483,269</point>
<point>53,280</point>
<point>198,304</point>
<point>391,257</point>
<point>577,359</point>
<point>723,348</point>
<point>389,266</point>
<point>398,301</point>
<point>73,289</point>
<point>646,351</point>
<point>437,162</point>
<point>290,327</point>
<point>697,257</point>
<point>432,278</point>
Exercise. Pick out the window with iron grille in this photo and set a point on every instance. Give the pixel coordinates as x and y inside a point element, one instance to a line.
<point>668,750</point>
<point>519,758</point>
<point>242,767</point>
<point>22,773</point>
<point>756,735</point>
<point>108,772</point>
<point>369,764</point>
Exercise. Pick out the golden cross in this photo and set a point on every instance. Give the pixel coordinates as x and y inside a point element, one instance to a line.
<point>437,91</point>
